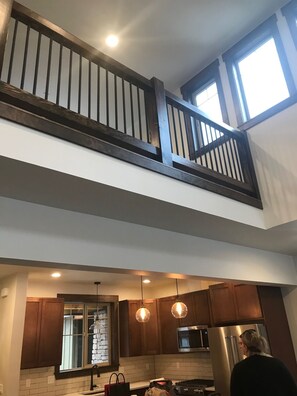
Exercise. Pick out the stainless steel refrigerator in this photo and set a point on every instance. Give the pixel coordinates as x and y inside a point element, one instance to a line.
<point>225,352</point>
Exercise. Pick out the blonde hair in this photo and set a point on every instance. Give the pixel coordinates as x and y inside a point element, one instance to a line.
<point>254,342</point>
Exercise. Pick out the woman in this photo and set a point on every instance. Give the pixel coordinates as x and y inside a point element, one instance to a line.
<point>260,374</point>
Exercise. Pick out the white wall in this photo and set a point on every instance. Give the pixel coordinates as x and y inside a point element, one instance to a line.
<point>290,301</point>
<point>42,234</point>
<point>12,314</point>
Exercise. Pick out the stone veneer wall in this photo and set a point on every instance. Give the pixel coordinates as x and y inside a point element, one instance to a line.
<point>41,382</point>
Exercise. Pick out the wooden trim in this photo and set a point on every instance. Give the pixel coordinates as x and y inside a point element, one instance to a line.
<point>36,122</point>
<point>5,12</point>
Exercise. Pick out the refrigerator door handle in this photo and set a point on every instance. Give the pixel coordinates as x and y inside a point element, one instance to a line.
<point>232,346</point>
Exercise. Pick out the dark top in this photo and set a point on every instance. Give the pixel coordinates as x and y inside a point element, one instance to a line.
<point>259,375</point>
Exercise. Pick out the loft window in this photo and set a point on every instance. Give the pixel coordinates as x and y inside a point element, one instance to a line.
<point>205,91</point>
<point>90,335</point>
<point>290,12</point>
<point>258,72</point>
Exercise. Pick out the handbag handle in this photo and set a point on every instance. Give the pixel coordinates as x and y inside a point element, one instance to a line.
<point>117,377</point>
<point>122,375</point>
<point>111,375</point>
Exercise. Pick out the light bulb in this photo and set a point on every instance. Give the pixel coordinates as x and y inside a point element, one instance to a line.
<point>142,315</point>
<point>179,310</point>
<point>112,40</point>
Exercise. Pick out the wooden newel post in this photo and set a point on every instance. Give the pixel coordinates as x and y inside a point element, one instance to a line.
<point>5,13</point>
<point>162,117</point>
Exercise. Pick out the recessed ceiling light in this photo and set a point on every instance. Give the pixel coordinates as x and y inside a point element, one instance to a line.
<point>56,275</point>
<point>112,40</point>
<point>146,281</point>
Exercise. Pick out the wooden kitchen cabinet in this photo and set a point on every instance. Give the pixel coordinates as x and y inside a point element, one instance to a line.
<point>136,338</point>
<point>167,325</point>
<point>233,303</point>
<point>198,308</point>
<point>43,332</point>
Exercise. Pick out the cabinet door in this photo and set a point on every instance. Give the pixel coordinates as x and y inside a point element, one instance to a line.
<point>167,325</point>
<point>31,334</point>
<point>51,332</point>
<point>202,307</point>
<point>247,302</point>
<point>222,303</point>
<point>150,330</point>
<point>43,332</point>
<point>130,329</point>
<point>190,319</point>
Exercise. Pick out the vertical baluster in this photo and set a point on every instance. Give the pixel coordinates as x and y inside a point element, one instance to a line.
<point>124,106</point>
<point>228,155</point>
<point>132,110</point>
<point>36,64</point>
<point>222,145</point>
<point>139,114</point>
<point>181,134</point>
<point>200,138</point>
<point>174,130</point>
<point>59,75</point>
<point>89,89</point>
<point>69,80</point>
<point>15,30</point>
<point>213,140</point>
<point>116,102</point>
<point>25,58</point>
<point>79,84</point>
<point>98,93</point>
<point>49,65</point>
<point>237,161</point>
<point>107,97</point>
<point>219,149</point>
<point>207,144</point>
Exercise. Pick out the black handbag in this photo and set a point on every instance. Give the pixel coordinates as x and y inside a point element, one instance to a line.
<point>117,388</point>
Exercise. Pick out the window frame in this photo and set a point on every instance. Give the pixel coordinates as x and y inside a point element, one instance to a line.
<point>114,311</point>
<point>248,44</point>
<point>204,78</point>
<point>289,11</point>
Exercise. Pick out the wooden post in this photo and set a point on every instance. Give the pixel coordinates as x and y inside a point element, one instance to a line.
<point>5,13</point>
<point>162,117</point>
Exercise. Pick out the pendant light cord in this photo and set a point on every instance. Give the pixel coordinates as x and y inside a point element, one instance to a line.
<point>141,286</point>
<point>176,288</point>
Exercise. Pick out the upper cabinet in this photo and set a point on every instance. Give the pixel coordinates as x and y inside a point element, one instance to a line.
<point>138,338</point>
<point>234,303</point>
<point>167,325</point>
<point>43,331</point>
<point>199,312</point>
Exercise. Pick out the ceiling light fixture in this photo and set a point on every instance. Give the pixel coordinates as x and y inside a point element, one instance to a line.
<point>146,281</point>
<point>112,40</point>
<point>142,314</point>
<point>56,275</point>
<point>179,310</point>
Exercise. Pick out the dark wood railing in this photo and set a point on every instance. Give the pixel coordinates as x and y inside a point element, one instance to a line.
<point>58,84</point>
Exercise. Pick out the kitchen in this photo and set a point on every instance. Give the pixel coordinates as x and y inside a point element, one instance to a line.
<point>137,369</point>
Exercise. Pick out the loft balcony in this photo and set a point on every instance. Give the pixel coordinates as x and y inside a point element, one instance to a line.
<point>57,84</point>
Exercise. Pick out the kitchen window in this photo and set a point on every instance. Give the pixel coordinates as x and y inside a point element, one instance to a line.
<point>90,334</point>
<point>259,74</point>
<point>290,12</point>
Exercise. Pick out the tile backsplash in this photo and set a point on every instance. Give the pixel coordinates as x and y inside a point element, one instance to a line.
<point>42,382</point>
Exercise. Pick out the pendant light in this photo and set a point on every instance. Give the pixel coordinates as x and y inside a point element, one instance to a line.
<point>142,314</point>
<point>179,310</point>
<point>95,325</point>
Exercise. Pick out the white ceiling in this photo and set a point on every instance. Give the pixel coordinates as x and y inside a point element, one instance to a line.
<point>168,39</point>
<point>171,40</point>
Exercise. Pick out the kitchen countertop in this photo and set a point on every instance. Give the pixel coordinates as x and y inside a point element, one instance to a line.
<point>100,391</point>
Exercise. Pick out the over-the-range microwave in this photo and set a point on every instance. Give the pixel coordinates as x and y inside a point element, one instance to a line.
<point>192,338</point>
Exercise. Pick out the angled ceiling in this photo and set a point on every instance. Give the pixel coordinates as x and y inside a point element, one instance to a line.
<point>169,39</point>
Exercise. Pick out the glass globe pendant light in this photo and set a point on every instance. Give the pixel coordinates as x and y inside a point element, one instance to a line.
<point>142,314</point>
<point>179,310</point>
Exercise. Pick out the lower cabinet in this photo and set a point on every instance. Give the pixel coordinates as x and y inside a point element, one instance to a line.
<point>43,332</point>
<point>136,338</point>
